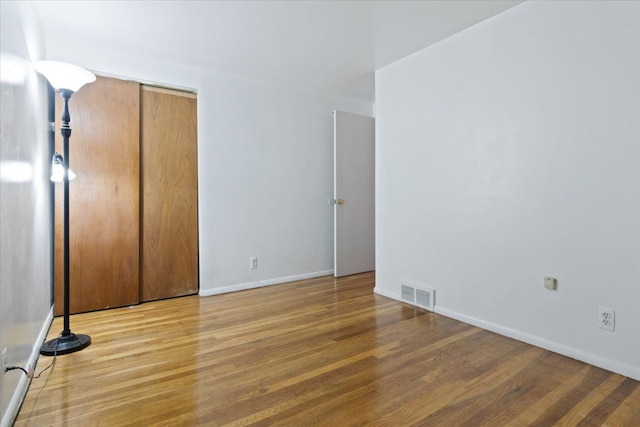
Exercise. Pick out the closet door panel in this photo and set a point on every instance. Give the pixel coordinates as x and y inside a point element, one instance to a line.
<point>104,197</point>
<point>169,194</point>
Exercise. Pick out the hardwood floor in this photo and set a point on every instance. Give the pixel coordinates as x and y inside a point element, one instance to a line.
<point>318,352</point>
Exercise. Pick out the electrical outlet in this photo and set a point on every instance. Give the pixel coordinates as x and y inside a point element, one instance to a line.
<point>253,262</point>
<point>4,360</point>
<point>607,318</point>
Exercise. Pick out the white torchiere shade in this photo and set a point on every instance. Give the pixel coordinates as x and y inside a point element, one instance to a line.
<point>64,76</point>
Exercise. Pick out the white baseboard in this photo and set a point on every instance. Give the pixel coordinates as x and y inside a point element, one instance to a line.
<point>262,283</point>
<point>388,294</point>
<point>574,353</point>
<point>23,385</point>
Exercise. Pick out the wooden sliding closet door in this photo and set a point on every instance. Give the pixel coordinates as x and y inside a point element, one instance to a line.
<point>104,197</point>
<point>169,194</point>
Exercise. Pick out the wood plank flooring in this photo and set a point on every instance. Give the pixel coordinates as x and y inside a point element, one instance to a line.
<point>321,352</point>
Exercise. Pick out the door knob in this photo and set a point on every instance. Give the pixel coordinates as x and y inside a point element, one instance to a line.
<point>340,202</point>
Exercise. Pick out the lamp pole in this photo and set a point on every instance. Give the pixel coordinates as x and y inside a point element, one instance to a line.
<point>66,134</point>
<point>67,342</point>
<point>61,76</point>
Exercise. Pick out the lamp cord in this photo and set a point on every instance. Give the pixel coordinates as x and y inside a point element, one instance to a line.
<point>13,368</point>
<point>53,362</point>
<point>32,374</point>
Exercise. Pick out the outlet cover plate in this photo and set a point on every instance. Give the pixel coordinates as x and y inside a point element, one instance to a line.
<point>4,360</point>
<point>607,318</point>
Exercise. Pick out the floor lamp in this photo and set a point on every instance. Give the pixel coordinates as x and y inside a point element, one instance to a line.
<point>66,79</point>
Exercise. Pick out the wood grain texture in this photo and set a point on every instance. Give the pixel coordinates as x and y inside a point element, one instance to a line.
<point>325,352</point>
<point>169,264</point>
<point>104,198</point>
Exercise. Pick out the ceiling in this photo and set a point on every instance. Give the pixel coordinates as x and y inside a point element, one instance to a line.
<point>329,47</point>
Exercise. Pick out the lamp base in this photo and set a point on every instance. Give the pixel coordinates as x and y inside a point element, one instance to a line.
<point>65,344</point>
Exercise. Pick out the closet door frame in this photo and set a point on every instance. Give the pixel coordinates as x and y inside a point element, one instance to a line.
<point>107,217</point>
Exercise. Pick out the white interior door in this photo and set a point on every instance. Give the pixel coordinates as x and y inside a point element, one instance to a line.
<point>354,193</point>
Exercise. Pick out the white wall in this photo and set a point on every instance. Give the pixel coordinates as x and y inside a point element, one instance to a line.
<point>265,167</point>
<point>25,202</point>
<point>510,152</point>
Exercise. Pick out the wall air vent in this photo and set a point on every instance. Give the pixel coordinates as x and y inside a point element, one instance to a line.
<point>408,293</point>
<point>420,296</point>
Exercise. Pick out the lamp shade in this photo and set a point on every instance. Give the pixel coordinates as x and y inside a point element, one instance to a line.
<point>64,76</point>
